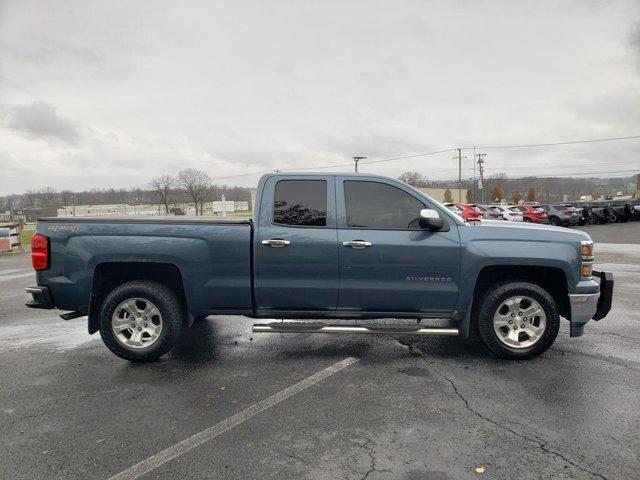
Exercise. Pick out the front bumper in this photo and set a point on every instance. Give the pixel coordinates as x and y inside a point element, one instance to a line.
<point>41,298</point>
<point>587,306</point>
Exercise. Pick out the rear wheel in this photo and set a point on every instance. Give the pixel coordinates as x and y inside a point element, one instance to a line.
<point>528,220</point>
<point>554,221</point>
<point>141,320</point>
<point>517,320</point>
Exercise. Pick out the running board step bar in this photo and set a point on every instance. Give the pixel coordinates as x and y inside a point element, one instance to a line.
<point>294,327</point>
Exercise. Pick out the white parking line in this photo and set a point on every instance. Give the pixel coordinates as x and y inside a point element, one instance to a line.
<point>6,278</point>
<point>7,271</point>
<point>210,433</point>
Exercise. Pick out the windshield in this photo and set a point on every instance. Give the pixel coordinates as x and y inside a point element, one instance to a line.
<point>449,210</point>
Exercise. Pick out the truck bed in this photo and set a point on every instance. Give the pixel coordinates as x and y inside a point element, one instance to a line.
<point>212,257</point>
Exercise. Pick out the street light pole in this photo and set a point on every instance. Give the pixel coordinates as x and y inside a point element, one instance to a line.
<point>356,159</point>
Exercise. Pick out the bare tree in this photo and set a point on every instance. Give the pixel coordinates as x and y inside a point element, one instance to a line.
<point>197,185</point>
<point>163,186</point>
<point>414,179</point>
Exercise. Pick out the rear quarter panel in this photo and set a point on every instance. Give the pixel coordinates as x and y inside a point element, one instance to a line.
<point>214,260</point>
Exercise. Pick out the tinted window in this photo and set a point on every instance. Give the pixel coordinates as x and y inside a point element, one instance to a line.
<point>377,205</point>
<point>301,202</point>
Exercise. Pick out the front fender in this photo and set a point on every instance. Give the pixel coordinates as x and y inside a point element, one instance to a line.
<point>479,254</point>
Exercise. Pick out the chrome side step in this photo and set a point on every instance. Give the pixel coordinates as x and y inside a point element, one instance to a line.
<point>302,327</point>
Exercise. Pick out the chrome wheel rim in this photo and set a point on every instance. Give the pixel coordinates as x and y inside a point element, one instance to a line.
<point>136,323</point>
<point>519,322</point>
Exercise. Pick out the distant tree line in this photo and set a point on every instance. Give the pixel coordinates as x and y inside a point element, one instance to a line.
<point>499,187</point>
<point>166,191</point>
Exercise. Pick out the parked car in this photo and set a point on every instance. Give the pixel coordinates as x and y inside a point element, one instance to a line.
<point>533,213</point>
<point>587,216</point>
<point>488,213</point>
<point>470,211</point>
<point>562,214</point>
<point>623,211</point>
<point>509,213</point>
<point>454,208</point>
<point>634,211</point>
<point>320,246</point>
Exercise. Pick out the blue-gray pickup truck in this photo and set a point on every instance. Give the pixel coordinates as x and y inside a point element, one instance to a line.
<point>339,247</point>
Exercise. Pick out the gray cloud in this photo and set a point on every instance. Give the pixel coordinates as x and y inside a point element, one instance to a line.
<point>40,120</point>
<point>236,87</point>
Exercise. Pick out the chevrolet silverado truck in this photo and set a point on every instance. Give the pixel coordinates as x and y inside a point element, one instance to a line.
<point>339,247</point>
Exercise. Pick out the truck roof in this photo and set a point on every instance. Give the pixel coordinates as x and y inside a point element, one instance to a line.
<point>326,174</point>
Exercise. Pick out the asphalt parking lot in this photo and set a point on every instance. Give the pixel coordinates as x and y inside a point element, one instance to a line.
<point>329,407</point>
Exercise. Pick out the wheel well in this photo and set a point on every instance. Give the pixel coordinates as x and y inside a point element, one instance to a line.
<point>551,279</point>
<point>110,275</point>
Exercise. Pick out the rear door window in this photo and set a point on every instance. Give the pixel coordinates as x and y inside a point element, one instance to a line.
<point>301,203</point>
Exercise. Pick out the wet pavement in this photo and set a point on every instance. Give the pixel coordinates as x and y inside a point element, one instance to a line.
<point>407,408</point>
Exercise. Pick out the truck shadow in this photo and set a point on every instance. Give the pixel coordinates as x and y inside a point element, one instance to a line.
<point>220,340</point>
<point>199,345</point>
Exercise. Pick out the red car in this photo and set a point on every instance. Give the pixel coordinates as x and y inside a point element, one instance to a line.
<point>533,213</point>
<point>470,211</point>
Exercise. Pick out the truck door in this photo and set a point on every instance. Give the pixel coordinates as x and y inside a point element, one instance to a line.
<point>387,262</point>
<point>296,256</point>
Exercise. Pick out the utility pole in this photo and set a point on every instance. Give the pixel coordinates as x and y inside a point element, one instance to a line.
<point>356,159</point>
<point>73,197</point>
<point>459,157</point>
<point>480,166</point>
<point>474,174</point>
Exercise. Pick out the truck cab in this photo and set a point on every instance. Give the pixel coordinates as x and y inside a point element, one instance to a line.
<point>353,244</point>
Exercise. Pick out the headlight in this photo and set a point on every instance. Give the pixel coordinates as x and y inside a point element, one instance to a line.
<point>587,249</point>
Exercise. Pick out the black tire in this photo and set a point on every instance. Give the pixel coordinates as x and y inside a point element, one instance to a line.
<point>555,221</point>
<point>528,220</point>
<point>173,319</point>
<point>635,216</point>
<point>493,298</point>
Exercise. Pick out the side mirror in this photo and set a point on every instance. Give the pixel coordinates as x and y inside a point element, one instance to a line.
<point>430,219</point>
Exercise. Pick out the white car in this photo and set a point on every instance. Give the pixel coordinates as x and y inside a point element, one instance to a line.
<point>509,213</point>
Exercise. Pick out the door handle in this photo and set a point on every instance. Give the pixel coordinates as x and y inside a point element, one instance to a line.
<point>276,242</point>
<point>357,244</point>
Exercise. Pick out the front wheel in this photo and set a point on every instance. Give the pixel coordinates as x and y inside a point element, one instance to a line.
<point>141,320</point>
<point>517,320</point>
<point>555,221</point>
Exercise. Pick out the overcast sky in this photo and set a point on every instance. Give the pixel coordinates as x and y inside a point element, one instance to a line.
<point>111,94</point>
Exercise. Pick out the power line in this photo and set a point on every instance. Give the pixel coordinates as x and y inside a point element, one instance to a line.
<point>617,172</point>
<point>318,167</point>
<point>411,156</point>
<point>418,155</point>
<point>559,143</point>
